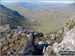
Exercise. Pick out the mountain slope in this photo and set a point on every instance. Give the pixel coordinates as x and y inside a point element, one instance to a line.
<point>45,18</point>
<point>11,17</point>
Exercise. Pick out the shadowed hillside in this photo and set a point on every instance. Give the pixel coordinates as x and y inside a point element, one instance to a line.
<point>11,17</point>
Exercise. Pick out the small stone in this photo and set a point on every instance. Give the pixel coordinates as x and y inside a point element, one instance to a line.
<point>38,34</point>
<point>27,31</point>
<point>41,34</point>
<point>32,31</point>
<point>11,53</point>
<point>16,41</point>
<point>49,42</point>
<point>0,45</point>
<point>15,36</point>
<point>48,51</point>
<point>4,48</point>
<point>4,42</point>
<point>53,36</point>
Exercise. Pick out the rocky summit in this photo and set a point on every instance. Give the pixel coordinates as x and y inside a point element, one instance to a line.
<point>68,43</point>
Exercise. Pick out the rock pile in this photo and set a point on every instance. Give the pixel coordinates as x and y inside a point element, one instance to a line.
<point>28,42</point>
<point>16,37</point>
<point>68,43</point>
<point>11,43</point>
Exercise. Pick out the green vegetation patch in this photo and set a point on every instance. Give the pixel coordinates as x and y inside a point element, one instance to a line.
<point>58,40</point>
<point>71,26</point>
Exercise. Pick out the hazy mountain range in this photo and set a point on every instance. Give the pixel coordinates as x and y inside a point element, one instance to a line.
<point>44,17</point>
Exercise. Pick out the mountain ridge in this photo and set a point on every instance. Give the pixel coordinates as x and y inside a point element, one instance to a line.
<point>11,17</point>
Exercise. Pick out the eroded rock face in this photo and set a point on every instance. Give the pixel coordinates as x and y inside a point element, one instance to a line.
<point>68,43</point>
<point>29,47</point>
<point>48,51</point>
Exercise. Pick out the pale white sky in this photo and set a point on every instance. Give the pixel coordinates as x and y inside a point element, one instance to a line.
<point>56,1</point>
<point>37,0</point>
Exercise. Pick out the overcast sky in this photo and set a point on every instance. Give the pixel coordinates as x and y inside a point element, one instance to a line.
<point>37,0</point>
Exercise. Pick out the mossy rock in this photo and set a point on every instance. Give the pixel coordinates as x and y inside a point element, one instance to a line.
<point>71,26</point>
<point>58,40</point>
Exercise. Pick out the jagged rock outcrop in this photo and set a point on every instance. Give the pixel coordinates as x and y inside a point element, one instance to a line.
<point>68,43</point>
<point>29,47</point>
<point>70,24</point>
<point>48,51</point>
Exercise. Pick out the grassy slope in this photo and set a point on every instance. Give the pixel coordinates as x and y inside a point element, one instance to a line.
<point>46,18</point>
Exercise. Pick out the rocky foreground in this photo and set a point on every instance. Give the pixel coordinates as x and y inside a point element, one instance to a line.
<point>19,41</point>
<point>68,43</point>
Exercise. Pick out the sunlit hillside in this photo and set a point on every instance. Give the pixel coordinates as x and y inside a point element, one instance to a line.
<point>44,17</point>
